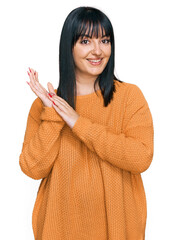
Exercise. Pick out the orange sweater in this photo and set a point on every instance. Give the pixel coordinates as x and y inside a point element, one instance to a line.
<point>91,186</point>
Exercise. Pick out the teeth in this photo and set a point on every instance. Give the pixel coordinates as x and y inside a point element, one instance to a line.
<point>95,60</point>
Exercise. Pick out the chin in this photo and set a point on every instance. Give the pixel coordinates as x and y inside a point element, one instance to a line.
<point>94,73</point>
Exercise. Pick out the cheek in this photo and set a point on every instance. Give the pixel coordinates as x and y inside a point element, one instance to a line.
<point>80,52</point>
<point>78,57</point>
<point>108,52</point>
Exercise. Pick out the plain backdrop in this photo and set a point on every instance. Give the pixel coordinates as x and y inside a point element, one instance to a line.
<point>30,33</point>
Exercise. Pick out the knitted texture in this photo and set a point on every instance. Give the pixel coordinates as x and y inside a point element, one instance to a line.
<point>91,186</point>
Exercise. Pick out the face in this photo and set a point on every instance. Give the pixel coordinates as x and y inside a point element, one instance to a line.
<point>91,55</point>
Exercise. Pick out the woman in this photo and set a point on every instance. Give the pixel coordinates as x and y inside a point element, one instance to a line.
<point>89,141</point>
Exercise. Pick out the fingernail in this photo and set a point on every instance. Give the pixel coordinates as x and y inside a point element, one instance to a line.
<point>27,82</point>
<point>34,73</point>
<point>28,73</point>
<point>29,69</point>
<point>53,103</point>
<point>49,95</point>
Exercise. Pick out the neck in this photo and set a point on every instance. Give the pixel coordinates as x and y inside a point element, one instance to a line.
<point>85,83</point>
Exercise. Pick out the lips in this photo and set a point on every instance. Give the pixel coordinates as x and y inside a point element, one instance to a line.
<point>94,60</point>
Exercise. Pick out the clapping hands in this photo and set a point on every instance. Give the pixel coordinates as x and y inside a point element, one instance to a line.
<point>38,89</point>
<point>50,99</point>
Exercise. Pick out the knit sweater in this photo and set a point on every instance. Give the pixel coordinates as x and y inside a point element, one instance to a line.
<point>91,187</point>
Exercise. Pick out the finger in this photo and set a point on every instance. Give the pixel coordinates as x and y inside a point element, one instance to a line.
<point>36,90</point>
<point>62,114</point>
<point>31,70</point>
<point>61,100</point>
<point>43,89</point>
<point>60,105</point>
<point>57,109</point>
<point>53,98</point>
<point>33,88</point>
<point>36,87</point>
<point>32,77</point>
<point>39,87</point>
<point>50,88</point>
<point>34,83</point>
<point>57,103</point>
<point>36,76</point>
<point>29,74</point>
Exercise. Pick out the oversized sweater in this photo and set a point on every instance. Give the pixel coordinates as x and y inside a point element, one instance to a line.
<point>91,187</point>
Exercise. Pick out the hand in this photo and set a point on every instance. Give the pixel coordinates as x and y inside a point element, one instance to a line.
<point>38,89</point>
<point>69,115</point>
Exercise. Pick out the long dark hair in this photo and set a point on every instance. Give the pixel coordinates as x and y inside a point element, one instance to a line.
<point>75,26</point>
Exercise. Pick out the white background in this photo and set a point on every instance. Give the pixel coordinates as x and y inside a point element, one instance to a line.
<point>30,32</point>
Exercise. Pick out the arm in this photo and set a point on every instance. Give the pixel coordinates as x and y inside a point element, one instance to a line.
<point>132,150</point>
<point>41,142</point>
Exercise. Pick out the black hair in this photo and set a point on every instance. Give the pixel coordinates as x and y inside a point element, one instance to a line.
<point>75,26</point>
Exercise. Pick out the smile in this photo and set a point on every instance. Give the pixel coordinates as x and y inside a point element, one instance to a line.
<point>95,61</point>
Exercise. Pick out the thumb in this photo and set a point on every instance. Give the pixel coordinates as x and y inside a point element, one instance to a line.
<point>50,88</point>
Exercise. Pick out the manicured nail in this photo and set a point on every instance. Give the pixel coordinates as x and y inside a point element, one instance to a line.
<point>49,95</point>
<point>34,73</point>
<point>29,69</point>
<point>28,73</point>
<point>53,103</point>
<point>27,82</point>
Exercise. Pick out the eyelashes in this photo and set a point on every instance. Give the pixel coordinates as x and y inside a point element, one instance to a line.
<point>85,40</point>
<point>107,40</point>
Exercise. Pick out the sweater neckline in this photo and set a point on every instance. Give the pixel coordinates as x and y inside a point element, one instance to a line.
<point>86,95</point>
<point>89,95</point>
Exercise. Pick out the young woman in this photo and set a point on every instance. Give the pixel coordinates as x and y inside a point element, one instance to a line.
<point>89,140</point>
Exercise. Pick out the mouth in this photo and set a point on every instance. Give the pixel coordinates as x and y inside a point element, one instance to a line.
<point>95,61</point>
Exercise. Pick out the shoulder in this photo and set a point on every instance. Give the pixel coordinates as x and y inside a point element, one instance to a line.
<point>130,95</point>
<point>126,86</point>
<point>128,89</point>
<point>135,94</point>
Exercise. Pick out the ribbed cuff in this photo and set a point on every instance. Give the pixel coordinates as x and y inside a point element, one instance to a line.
<point>50,114</point>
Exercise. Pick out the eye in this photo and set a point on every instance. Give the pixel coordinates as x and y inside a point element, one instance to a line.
<point>84,41</point>
<point>106,40</point>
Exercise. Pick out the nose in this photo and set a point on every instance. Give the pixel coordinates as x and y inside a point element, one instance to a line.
<point>96,48</point>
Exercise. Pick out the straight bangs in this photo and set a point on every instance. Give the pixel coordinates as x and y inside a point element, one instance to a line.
<point>91,25</point>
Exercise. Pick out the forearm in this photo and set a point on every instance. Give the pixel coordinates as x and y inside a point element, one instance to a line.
<point>41,143</point>
<point>39,154</point>
<point>124,152</point>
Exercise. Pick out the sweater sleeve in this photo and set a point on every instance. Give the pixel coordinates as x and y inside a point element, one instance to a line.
<point>132,149</point>
<point>41,141</point>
